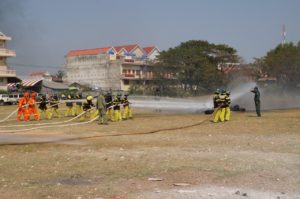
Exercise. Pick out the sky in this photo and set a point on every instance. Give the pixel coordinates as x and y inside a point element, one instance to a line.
<point>43,31</point>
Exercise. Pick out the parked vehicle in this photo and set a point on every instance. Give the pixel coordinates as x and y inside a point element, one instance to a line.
<point>9,99</point>
<point>14,98</point>
<point>4,99</point>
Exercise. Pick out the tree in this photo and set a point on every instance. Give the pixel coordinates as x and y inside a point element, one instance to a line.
<point>60,74</point>
<point>193,65</point>
<point>283,62</point>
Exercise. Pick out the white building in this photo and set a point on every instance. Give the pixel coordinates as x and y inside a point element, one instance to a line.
<point>7,75</point>
<point>115,67</point>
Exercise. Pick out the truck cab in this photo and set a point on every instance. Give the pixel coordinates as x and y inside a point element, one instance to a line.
<point>4,99</point>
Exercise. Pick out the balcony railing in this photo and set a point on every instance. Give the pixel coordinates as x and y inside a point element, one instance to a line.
<point>7,73</point>
<point>133,76</point>
<point>7,53</point>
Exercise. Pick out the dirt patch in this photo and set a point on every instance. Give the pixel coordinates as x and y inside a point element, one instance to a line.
<point>257,156</point>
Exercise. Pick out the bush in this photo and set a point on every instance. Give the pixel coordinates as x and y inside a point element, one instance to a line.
<point>3,91</point>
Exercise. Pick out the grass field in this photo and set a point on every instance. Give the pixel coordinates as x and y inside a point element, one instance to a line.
<point>260,156</point>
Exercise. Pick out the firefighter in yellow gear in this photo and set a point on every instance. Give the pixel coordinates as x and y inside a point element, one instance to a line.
<point>127,114</point>
<point>227,108</point>
<point>215,98</point>
<point>69,105</point>
<point>116,103</point>
<point>215,102</point>
<point>221,104</point>
<point>87,108</point>
<point>54,106</point>
<point>78,107</point>
<point>109,106</point>
<point>43,108</point>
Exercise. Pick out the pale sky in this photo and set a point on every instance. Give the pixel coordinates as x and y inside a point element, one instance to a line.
<point>43,31</point>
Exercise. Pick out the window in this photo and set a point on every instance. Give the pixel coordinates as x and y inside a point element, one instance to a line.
<point>126,82</point>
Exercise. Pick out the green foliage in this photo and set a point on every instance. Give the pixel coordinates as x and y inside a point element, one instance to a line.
<point>3,91</point>
<point>192,66</point>
<point>60,74</point>
<point>283,62</point>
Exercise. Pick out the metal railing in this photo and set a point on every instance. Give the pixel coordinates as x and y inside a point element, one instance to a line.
<point>7,52</point>
<point>7,72</point>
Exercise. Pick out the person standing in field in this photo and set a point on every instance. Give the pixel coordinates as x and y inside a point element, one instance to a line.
<point>109,106</point>
<point>227,108</point>
<point>221,105</point>
<point>44,109</point>
<point>32,109</point>
<point>54,105</point>
<point>22,107</point>
<point>101,106</point>
<point>257,100</point>
<point>127,114</point>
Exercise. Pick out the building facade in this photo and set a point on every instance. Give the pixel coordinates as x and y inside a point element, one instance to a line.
<point>7,75</point>
<point>115,67</point>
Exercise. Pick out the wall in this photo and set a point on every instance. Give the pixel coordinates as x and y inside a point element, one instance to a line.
<point>3,83</point>
<point>94,70</point>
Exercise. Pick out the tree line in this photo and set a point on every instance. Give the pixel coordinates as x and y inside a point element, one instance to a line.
<point>191,68</point>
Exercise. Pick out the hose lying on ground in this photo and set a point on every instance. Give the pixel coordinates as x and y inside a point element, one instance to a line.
<point>49,126</point>
<point>12,113</point>
<point>48,123</point>
<point>111,135</point>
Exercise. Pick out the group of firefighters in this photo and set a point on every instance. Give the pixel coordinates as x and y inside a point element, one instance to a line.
<point>221,100</point>
<point>107,107</point>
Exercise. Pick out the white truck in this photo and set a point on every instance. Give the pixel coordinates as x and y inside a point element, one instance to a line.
<point>4,99</point>
<point>14,98</point>
<point>9,99</point>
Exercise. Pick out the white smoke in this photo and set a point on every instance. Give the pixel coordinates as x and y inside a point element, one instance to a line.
<point>189,105</point>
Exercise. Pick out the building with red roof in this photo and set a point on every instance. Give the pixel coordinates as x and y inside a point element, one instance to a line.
<point>115,67</point>
<point>152,52</point>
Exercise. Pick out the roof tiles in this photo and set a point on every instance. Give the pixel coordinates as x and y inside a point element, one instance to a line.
<point>94,51</point>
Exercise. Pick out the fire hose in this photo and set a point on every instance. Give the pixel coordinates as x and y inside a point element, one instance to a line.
<point>49,126</point>
<point>12,113</point>
<point>112,135</point>
<point>48,123</point>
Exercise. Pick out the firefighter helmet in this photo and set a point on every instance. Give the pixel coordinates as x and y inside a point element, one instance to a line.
<point>217,91</point>
<point>89,97</point>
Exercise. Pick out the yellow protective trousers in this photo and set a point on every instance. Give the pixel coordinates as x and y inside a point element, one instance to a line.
<point>90,114</point>
<point>220,115</point>
<point>110,114</point>
<point>227,113</point>
<point>56,112</point>
<point>94,114</point>
<point>127,114</point>
<point>47,114</point>
<point>69,111</point>
<point>78,109</point>
<point>118,116</point>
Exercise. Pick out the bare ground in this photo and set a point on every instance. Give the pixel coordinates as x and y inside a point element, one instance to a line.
<point>259,157</point>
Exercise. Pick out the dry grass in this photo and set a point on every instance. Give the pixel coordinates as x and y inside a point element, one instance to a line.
<point>258,153</point>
